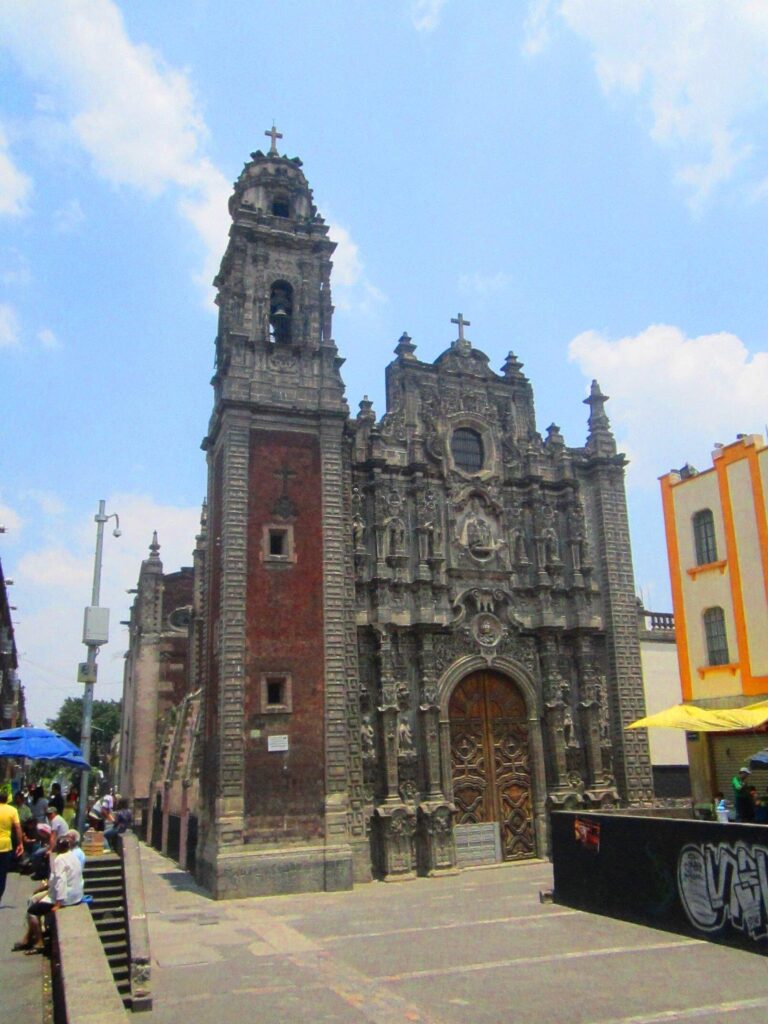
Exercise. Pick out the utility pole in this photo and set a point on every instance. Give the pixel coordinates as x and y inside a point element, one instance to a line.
<point>95,633</point>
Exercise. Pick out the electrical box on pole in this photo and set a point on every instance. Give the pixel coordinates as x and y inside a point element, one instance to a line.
<point>96,626</point>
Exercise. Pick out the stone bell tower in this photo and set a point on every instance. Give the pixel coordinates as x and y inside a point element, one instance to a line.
<point>280,774</point>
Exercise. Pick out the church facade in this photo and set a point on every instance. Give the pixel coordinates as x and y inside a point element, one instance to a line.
<point>417,634</point>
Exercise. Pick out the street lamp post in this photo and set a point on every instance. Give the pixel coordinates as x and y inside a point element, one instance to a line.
<point>95,633</point>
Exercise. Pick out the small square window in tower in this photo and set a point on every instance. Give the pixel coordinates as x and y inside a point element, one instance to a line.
<point>276,695</point>
<point>277,544</point>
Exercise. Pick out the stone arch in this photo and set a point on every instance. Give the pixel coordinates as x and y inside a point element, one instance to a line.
<point>519,675</point>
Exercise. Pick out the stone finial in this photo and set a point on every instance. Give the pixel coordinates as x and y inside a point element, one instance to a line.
<point>366,410</point>
<point>405,347</point>
<point>554,437</point>
<point>512,366</point>
<point>154,547</point>
<point>600,437</point>
<point>596,402</point>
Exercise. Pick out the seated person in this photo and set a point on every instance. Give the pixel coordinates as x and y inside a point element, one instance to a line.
<point>39,859</point>
<point>123,820</point>
<point>65,888</point>
<point>74,844</point>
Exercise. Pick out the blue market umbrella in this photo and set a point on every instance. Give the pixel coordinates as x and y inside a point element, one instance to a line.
<point>40,745</point>
<point>759,760</point>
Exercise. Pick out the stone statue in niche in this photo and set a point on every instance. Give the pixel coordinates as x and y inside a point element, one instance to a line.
<point>395,537</point>
<point>405,747</point>
<point>569,731</point>
<point>549,546</point>
<point>517,536</point>
<point>576,535</point>
<point>358,532</point>
<point>477,532</point>
<point>432,534</point>
<point>479,536</point>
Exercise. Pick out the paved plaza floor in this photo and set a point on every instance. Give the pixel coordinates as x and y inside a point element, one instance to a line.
<point>477,947</point>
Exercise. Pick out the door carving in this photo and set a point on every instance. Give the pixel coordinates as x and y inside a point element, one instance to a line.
<point>489,760</point>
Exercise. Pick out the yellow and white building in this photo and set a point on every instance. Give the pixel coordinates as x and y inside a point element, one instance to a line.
<point>717,541</point>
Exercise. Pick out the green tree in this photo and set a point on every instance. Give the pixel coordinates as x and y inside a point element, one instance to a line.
<point>105,721</point>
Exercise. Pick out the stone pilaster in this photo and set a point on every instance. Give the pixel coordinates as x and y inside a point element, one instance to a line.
<point>234,443</point>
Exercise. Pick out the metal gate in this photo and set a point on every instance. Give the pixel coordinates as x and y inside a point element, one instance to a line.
<point>490,762</point>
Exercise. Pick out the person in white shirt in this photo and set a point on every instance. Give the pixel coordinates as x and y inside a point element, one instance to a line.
<point>65,888</point>
<point>74,843</point>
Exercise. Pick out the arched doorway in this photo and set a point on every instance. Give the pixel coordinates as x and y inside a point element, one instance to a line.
<point>490,765</point>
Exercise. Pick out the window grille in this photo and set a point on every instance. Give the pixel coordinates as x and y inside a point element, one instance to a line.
<point>467,450</point>
<point>717,640</point>
<point>704,537</point>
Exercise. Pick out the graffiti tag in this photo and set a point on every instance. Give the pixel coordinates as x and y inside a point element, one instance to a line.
<point>720,883</point>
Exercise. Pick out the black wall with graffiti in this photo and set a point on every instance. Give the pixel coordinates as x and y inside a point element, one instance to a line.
<point>698,878</point>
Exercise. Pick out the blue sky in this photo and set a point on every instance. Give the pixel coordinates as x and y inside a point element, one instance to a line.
<point>585,180</point>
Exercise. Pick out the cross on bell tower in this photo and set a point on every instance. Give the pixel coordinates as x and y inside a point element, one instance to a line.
<point>274,135</point>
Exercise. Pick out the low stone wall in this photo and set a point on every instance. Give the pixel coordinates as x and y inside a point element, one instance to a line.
<point>84,989</point>
<point>136,922</point>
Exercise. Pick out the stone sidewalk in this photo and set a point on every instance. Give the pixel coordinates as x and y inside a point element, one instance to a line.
<point>24,980</point>
<point>478,947</point>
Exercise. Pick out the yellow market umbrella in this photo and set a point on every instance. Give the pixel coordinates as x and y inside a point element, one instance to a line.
<point>694,719</point>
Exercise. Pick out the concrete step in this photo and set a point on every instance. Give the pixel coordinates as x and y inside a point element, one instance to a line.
<point>115,947</point>
<point>109,921</point>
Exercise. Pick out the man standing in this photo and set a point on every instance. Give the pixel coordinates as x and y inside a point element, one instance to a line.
<point>742,802</point>
<point>10,830</point>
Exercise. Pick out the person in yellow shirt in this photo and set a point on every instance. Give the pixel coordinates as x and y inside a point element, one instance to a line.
<point>10,838</point>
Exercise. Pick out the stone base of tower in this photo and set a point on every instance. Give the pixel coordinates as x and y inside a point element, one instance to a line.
<point>234,872</point>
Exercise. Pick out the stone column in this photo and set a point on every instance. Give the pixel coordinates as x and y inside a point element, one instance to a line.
<point>436,846</point>
<point>396,822</point>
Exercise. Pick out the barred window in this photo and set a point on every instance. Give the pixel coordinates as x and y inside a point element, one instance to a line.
<point>467,450</point>
<point>704,537</point>
<point>717,641</point>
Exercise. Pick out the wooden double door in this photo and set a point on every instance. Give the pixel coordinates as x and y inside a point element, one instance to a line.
<point>490,762</point>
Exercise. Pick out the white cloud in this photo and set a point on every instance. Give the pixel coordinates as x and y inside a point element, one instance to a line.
<point>48,339</point>
<point>10,519</point>
<point>425,14</point>
<point>352,291</point>
<point>698,72</point>
<point>15,272</point>
<point>672,396</point>
<point>484,284</point>
<point>135,116</point>
<point>68,217</point>
<point>50,504</point>
<point>51,567</point>
<point>15,186</point>
<point>53,585</point>
<point>9,327</point>
<point>537,27</point>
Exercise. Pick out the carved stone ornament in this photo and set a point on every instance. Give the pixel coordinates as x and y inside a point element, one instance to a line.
<point>367,739</point>
<point>487,630</point>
